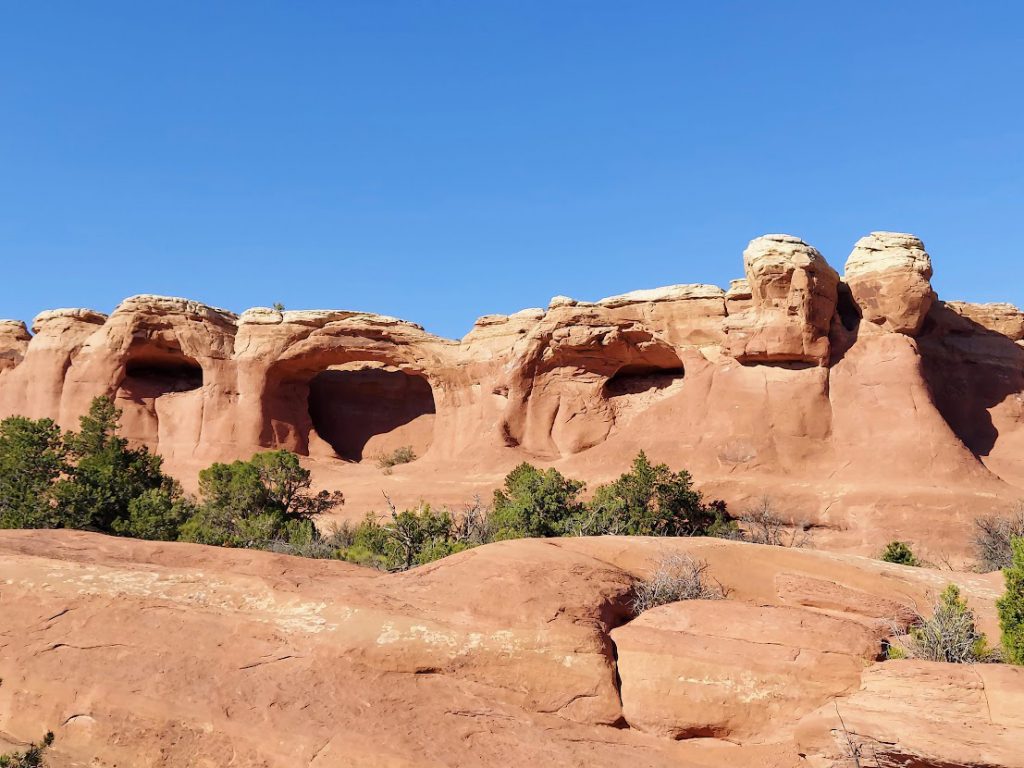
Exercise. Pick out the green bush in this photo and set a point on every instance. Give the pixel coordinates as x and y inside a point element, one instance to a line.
<point>651,500</point>
<point>900,553</point>
<point>535,503</point>
<point>32,459</point>
<point>88,479</point>
<point>949,634</point>
<point>106,474</point>
<point>1011,606</point>
<point>409,538</point>
<point>31,757</point>
<point>256,502</point>
<point>156,514</point>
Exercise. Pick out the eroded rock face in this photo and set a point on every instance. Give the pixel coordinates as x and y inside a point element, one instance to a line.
<point>889,274</point>
<point>788,384</point>
<point>152,653</point>
<point>696,668</point>
<point>14,338</point>
<point>793,295</point>
<point>926,713</point>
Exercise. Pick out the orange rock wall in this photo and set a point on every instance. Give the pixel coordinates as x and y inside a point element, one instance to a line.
<point>857,403</point>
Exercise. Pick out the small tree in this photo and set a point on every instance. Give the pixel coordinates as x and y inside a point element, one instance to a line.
<point>409,538</point>
<point>651,500</point>
<point>535,503</point>
<point>1011,606</point>
<point>251,503</point>
<point>106,475</point>
<point>899,553</point>
<point>157,514</point>
<point>32,458</point>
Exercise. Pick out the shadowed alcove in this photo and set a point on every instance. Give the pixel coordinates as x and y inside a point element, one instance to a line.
<point>362,410</point>
<point>160,395</point>
<point>155,373</point>
<point>636,379</point>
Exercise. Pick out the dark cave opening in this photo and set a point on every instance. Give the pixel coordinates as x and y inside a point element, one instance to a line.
<point>153,375</point>
<point>634,379</point>
<point>367,410</point>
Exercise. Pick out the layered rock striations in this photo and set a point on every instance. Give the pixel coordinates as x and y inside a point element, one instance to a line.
<point>854,401</point>
<point>517,653</point>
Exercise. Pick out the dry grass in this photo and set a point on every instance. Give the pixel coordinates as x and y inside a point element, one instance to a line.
<point>762,525</point>
<point>992,536</point>
<point>677,577</point>
<point>403,455</point>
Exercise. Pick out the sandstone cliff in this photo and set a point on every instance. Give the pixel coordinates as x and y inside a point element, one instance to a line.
<point>850,400</point>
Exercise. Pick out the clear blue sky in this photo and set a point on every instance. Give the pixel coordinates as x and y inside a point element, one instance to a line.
<point>443,160</point>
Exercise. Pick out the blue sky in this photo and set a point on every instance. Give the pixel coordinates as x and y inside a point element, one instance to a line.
<point>443,160</point>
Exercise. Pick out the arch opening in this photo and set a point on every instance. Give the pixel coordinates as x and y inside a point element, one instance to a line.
<point>366,410</point>
<point>641,379</point>
<point>153,374</point>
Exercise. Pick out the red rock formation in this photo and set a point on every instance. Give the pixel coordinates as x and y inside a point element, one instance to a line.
<point>859,405</point>
<point>155,654</point>
<point>889,275</point>
<point>793,294</point>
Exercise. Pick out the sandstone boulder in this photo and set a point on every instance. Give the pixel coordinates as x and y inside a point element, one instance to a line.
<point>793,294</point>
<point>735,671</point>
<point>889,274</point>
<point>154,654</point>
<point>920,713</point>
<point>14,338</point>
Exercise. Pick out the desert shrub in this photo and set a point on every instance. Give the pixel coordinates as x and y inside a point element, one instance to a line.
<point>106,474</point>
<point>949,634</point>
<point>403,540</point>
<point>253,503</point>
<point>90,479</point>
<point>762,525</point>
<point>157,514</point>
<point>1011,606</point>
<point>900,553</point>
<point>31,757</point>
<point>992,537</point>
<point>403,455</point>
<point>313,543</point>
<point>32,458</point>
<point>535,503</point>
<point>676,577</point>
<point>650,500</point>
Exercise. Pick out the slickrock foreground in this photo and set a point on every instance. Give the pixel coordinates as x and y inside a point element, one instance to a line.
<point>860,403</point>
<point>518,653</point>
